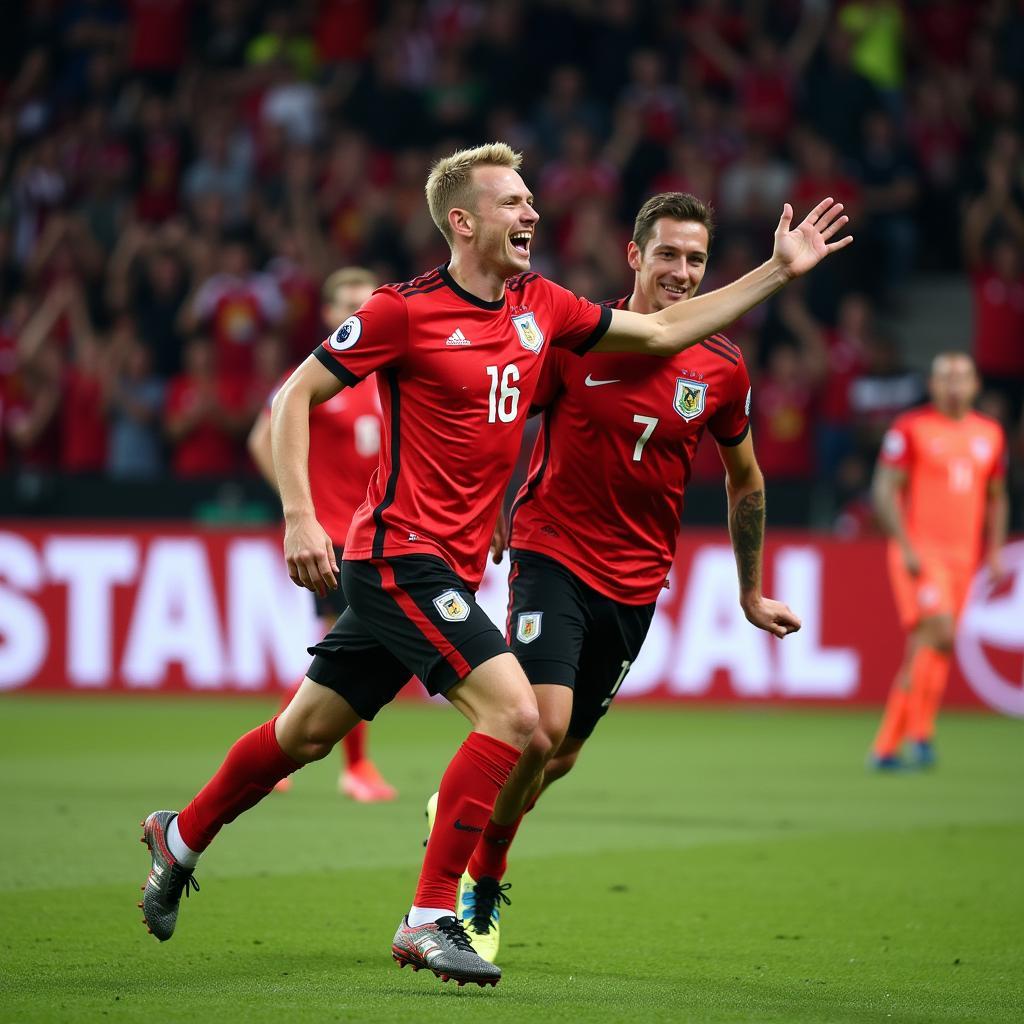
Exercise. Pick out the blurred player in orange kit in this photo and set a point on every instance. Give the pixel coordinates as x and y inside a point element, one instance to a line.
<point>938,488</point>
<point>343,453</point>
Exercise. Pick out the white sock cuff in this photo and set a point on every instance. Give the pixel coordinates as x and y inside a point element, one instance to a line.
<point>181,852</point>
<point>427,915</point>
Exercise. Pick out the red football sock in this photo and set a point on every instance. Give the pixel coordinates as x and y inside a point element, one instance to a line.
<point>254,765</point>
<point>490,858</point>
<point>471,783</point>
<point>354,745</point>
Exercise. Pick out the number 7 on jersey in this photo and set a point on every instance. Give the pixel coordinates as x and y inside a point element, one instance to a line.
<point>650,422</point>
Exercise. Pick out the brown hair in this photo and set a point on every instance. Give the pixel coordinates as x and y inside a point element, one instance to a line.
<point>677,206</point>
<point>448,185</point>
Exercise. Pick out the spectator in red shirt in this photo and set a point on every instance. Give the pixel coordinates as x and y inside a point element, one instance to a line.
<point>784,416</point>
<point>205,415</point>
<point>235,305</point>
<point>994,252</point>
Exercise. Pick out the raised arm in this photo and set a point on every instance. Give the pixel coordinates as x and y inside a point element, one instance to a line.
<point>744,486</point>
<point>797,250</point>
<point>307,548</point>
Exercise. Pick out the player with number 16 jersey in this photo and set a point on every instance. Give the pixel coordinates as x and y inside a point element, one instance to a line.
<point>454,405</point>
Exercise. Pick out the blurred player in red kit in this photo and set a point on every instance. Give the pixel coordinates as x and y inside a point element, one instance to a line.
<point>344,448</point>
<point>594,528</point>
<point>939,489</point>
<point>458,354</point>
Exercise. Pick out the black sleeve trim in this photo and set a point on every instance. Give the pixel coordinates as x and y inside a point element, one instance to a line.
<point>603,323</point>
<point>731,442</point>
<point>346,376</point>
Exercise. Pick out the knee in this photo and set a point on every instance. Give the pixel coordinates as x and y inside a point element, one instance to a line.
<point>942,637</point>
<point>307,740</point>
<point>521,721</point>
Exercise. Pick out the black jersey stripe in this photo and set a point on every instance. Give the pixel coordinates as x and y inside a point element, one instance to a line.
<point>535,480</point>
<point>404,289</point>
<point>423,291</point>
<point>721,339</point>
<point>622,303</point>
<point>731,442</point>
<point>728,356</point>
<point>599,331</point>
<point>517,283</point>
<point>343,373</point>
<point>380,533</point>
<point>419,282</point>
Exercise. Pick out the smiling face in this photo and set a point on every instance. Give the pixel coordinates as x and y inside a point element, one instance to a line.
<point>671,265</point>
<point>498,228</point>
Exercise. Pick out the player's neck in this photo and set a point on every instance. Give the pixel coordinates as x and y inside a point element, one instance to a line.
<point>638,304</point>
<point>952,414</point>
<point>484,284</point>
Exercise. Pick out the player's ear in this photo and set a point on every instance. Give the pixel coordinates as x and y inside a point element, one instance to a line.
<point>633,255</point>
<point>461,222</point>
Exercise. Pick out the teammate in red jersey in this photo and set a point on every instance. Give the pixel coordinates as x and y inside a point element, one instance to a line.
<point>938,487</point>
<point>458,354</point>
<point>344,447</point>
<point>594,528</point>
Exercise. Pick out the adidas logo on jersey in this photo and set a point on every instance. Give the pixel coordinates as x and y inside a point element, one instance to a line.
<point>458,338</point>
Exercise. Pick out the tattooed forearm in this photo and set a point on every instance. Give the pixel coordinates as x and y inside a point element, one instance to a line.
<point>746,527</point>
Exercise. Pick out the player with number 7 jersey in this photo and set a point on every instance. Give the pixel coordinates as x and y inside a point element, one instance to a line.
<point>594,528</point>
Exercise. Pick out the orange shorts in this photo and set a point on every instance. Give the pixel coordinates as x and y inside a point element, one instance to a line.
<point>940,589</point>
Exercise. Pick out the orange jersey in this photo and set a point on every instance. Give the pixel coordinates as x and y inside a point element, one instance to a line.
<point>949,464</point>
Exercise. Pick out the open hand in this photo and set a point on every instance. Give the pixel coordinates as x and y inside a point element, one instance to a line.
<point>802,248</point>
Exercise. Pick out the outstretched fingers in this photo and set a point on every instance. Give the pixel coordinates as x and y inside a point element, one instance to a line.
<point>812,217</point>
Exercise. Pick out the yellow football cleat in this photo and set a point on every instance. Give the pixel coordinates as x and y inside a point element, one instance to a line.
<point>478,903</point>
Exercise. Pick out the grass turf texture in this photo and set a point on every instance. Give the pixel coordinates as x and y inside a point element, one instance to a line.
<point>702,865</point>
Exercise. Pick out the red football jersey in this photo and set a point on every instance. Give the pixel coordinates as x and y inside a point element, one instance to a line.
<point>456,377</point>
<point>605,492</point>
<point>344,448</point>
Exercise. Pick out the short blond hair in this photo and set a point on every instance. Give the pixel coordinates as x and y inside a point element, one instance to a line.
<point>448,184</point>
<point>345,277</point>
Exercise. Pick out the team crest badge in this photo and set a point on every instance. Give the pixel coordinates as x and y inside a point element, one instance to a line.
<point>452,606</point>
<point>528,626</point>
<point>531,337</point>
<point>689,400</point>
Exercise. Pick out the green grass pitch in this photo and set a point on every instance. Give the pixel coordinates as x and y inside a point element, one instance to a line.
<point>699,865</point>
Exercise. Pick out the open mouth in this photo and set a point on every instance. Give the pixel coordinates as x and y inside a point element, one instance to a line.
<point>678,291</point>
<point>520,241</point>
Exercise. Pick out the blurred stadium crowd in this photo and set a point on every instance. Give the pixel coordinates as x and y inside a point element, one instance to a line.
<point>178,177</point>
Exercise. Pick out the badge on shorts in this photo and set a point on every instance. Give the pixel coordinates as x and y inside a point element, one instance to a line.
<point>528,626</point>
<point>531,337</point>
<point>452,606</point>
<point>689,400</point>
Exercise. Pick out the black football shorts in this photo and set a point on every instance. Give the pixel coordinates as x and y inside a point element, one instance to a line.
<point>333,602</point>
<point>406,616</point>
<point>564,632</point>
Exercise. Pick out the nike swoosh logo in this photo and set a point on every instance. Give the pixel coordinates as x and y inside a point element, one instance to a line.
<point>591,383</point>
<point>466,828</point>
